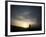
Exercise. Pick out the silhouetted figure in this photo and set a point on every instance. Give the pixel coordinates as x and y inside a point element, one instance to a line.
<point>29,26</point>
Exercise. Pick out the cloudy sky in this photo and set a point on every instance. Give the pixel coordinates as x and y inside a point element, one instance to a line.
<point>24,14</point>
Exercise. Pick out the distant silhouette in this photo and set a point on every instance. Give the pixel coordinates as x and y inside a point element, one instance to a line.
<point>29,26</point>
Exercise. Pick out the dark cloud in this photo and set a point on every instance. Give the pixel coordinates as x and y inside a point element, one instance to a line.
<point>26,11</point>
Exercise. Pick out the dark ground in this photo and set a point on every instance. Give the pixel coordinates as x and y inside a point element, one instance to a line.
<point>16,29</point>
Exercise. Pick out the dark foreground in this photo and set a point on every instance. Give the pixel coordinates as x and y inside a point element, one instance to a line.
<point>16,29</point>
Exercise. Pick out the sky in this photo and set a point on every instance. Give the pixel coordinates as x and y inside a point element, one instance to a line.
<point>31,14</point>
